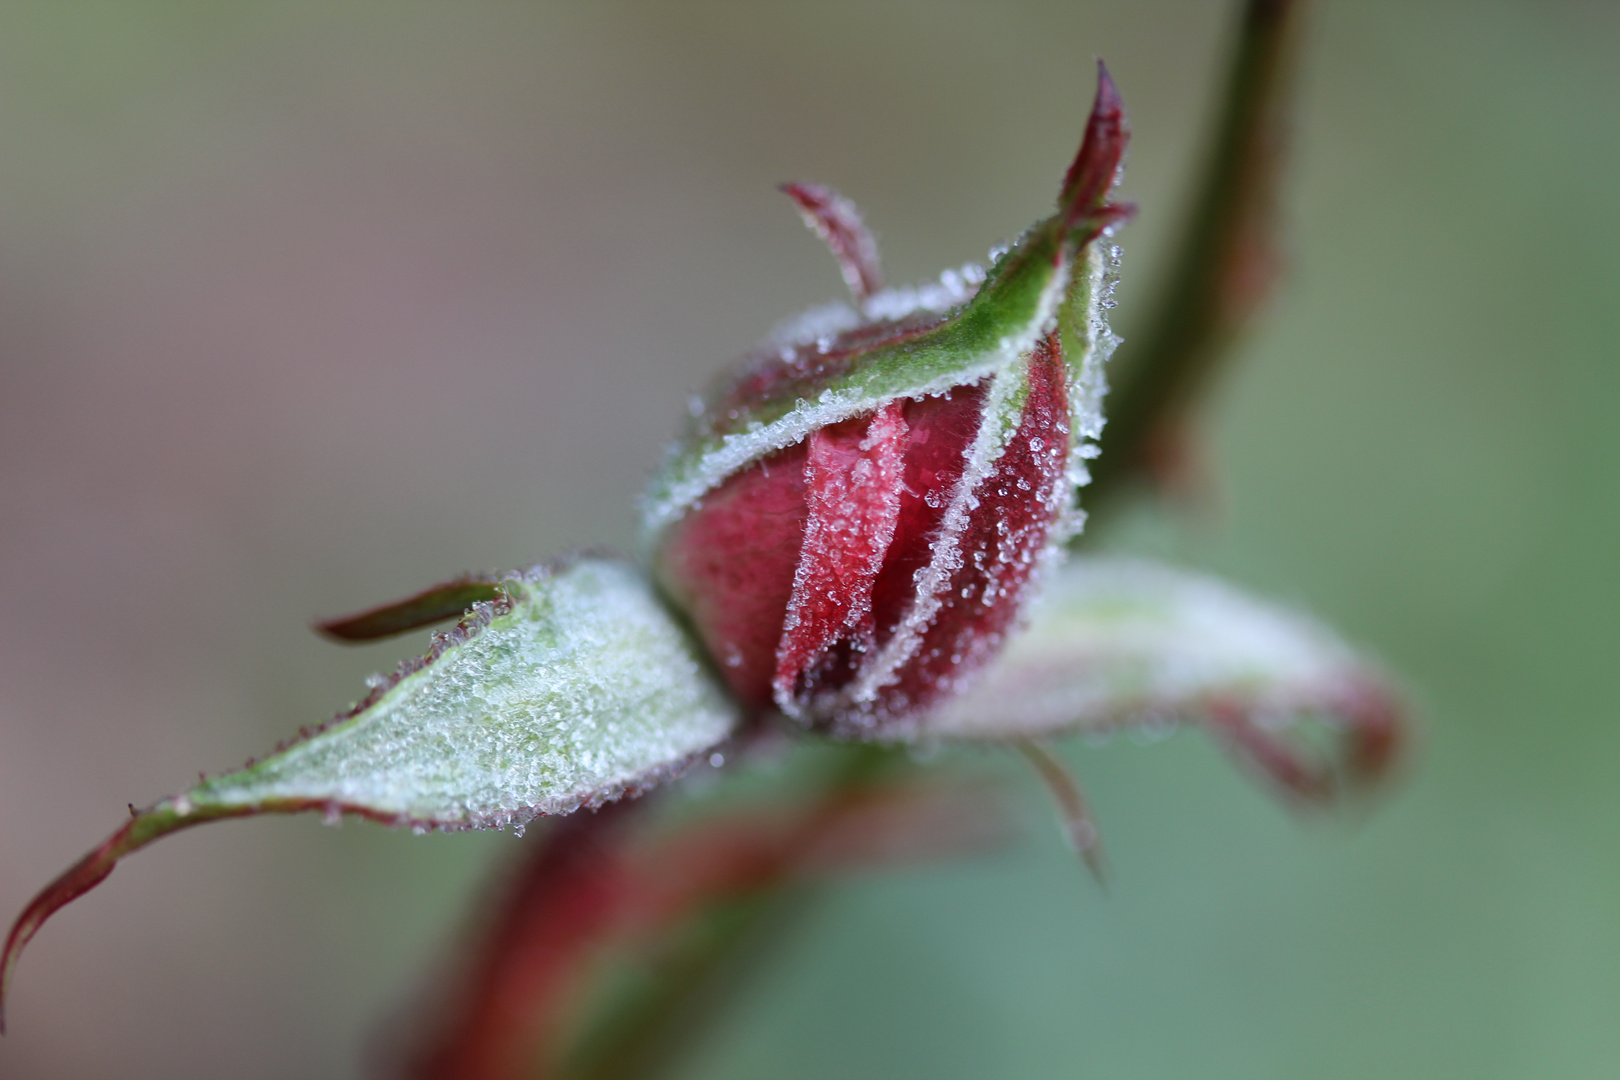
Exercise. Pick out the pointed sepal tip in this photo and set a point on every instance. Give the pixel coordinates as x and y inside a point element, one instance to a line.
<point>1082,201</point>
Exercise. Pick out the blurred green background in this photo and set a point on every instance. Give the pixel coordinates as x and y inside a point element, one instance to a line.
<point>305,305</point>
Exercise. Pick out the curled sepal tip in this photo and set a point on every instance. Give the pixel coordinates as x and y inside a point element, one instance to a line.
<point>836,220</point>
<point>573,687</point>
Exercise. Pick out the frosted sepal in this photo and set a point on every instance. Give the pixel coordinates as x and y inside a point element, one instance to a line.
<point>1120,643</point>
<point>575,686</point>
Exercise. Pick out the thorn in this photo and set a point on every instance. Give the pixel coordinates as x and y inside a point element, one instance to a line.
<point>1078,824</point>
<point>132,811</point>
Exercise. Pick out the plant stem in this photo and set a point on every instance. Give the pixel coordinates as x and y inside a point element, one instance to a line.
<point>646,1034</point>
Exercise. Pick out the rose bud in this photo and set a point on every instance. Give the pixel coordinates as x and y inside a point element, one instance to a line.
<point>856,515</point>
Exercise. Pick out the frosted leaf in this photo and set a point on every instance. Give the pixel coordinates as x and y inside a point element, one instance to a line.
<point>1116,643</point>
<point>573,688</point>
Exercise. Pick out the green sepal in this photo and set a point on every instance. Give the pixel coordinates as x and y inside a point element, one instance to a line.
<point>988,334</point>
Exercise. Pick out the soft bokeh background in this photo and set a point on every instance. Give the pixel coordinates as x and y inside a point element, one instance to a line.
<point>304,305</point>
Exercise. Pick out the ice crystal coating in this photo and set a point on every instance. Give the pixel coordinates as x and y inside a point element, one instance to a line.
<point>780,395</point>
<point>574,688</point>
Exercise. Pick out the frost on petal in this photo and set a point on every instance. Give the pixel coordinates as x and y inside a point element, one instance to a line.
<point>957,581</point>
<point>853,476</point>
<point>1116,643</point>
<point>731,568</point>
<point>573,688</point>
<point>855,604</point>
<point>854,579</point>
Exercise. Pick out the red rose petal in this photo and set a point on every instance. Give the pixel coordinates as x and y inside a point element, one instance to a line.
<point>1017,505</point>
<point>854,477</point>
<point>730,565</point>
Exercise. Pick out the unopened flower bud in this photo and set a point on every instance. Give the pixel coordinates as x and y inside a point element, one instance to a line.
<point>855,517</point>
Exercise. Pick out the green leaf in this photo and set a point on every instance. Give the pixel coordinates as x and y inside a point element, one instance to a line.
<point>576,687</point>
<point>1117,643</point>
<point>573,688</point>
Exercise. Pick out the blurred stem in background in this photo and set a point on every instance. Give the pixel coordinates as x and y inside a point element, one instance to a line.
<point>1221,270</point>
<point>621,936</point>
<point>709,904</point>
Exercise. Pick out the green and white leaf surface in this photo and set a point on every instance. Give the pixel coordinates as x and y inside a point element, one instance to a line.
<point>575,688</point>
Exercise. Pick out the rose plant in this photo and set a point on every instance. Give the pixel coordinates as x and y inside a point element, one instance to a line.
<point>864,533</point>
